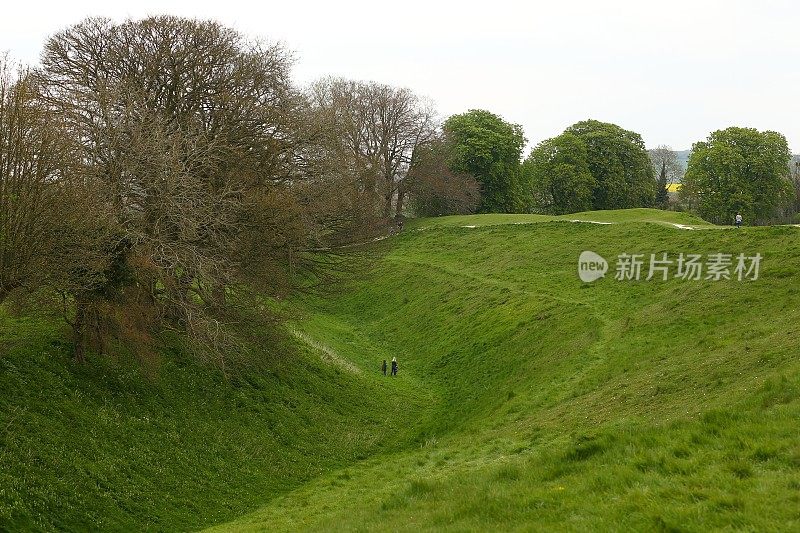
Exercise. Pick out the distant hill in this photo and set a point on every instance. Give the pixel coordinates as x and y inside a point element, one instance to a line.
<point>683,158</point>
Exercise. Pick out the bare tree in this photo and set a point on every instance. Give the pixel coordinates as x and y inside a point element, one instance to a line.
<point>185,125</point>
<point>45,205</point>
<point>434,188</point>
<point>668,171</point>
<point>55,228</point>
<point>379,128</point>
<point>31,156</point>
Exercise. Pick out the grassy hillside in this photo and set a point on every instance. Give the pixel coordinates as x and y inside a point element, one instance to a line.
<point>526,399</point>
<point>107,447</point>
<point>651,405</point>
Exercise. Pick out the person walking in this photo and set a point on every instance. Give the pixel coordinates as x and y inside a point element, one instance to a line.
<point>383,367</point>
<point>394,366</point>
<point>738,220</point>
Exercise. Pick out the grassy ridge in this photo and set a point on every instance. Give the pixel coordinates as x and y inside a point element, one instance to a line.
<point>613,217</point>
<point>665,405</point>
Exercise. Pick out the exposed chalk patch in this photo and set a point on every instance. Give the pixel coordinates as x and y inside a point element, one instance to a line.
<point>591,221</point>
<point>326,353</point>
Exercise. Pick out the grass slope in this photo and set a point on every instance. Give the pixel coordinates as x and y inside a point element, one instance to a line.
<point>552,404</point>
<point>103,447</point>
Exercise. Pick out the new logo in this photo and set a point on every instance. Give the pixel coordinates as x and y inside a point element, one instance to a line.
<point>591,266</point>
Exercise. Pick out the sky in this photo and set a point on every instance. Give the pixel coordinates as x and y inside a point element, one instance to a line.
<point>672,71</point>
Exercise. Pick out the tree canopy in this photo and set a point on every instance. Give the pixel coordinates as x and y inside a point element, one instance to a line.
<point>376,131</point>
<point>739,170</point>
<point>558,172</point>
<point>489,148</point>
<point>595,155</point>
<point>619,163</point>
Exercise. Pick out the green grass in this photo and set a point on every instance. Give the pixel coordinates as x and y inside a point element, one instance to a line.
<point>108,447</point>
<point>557,405</point>
<point>526,400</point>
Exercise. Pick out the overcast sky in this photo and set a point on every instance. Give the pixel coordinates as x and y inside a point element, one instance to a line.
<point>673,70</point>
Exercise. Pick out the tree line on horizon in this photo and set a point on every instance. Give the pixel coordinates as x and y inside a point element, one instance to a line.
<point>166,173</point>
<point>735,170</point>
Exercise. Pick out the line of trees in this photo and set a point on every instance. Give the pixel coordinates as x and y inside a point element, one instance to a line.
<point>165,173</point>
<point>592,165</point>
<point>596,165</point>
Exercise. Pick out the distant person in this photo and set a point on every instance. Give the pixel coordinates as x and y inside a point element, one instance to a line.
<point>738,220</point>
<point>394,366</point>
<point>383,367</point>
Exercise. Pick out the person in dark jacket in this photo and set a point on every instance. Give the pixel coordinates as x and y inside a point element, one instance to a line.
<point>394,366</point>
<point>383,367</point>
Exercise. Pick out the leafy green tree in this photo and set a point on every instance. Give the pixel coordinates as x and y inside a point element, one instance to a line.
<point>558,172</point>
<point>739,170</point>
<point>619,163</point>
<point>489,148</point>
<point>592,165</point>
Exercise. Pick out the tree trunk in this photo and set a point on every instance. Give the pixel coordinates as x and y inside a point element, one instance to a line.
<point>387,206</point>
<point>79,330</point>
<point>401,195</point>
